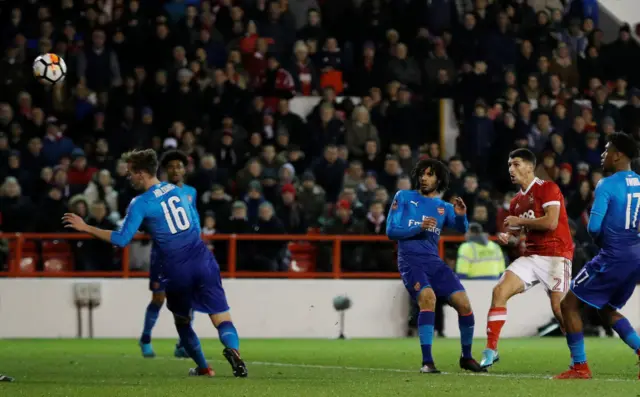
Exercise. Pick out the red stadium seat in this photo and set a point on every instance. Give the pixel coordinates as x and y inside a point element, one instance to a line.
<point>58,264</point>
<point>57,256</point>
<point>303,257</point>
<point>30,256</point>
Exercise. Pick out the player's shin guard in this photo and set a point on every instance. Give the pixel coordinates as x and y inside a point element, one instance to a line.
<point>466,322</point>
<point>426,320</point>
<point>191,344</point>
<point>150,318</point>
<point>495,320</point>
<point>627,334</point>
<point>575,341</point>
<point>228,335</point>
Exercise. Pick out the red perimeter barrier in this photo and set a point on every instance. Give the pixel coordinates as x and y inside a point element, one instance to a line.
<point>58,258</point>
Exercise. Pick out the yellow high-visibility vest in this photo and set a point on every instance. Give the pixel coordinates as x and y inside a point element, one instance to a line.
<point>476,260</point>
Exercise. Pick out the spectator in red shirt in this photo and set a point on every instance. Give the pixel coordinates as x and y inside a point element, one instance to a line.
<point>80,173</point>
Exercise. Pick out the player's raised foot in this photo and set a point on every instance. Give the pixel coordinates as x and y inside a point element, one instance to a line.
<point>470,364</point>
<point>237,365</point>
<point>429,369</point>
<point>180,352</point>
<point>202,372</point>
<point>489,357</point>
<point>147,350</point>
<point>5,378</point>
<point>576,371</point>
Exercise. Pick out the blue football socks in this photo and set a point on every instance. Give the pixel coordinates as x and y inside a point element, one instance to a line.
<point>627,333</point>
<point>576,346</point>
<point>229,335</point>
<point>466,324</point>
<point>191,344</point>
<point>150,318</point>
<point>426,320</point>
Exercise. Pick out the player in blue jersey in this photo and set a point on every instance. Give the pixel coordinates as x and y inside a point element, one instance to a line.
<point>189,271</point>
<point>609,279</point>
<point>174,163</point>
<point>415,220</point>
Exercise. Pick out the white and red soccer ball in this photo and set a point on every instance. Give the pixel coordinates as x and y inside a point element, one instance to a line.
<point>49,69</point>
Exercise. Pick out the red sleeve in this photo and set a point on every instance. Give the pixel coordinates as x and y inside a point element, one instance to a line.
<point>550,195</point>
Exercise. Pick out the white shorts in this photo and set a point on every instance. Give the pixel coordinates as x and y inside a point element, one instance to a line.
<point>554,272</point>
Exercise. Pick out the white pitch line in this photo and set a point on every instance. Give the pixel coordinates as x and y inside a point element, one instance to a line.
<point>406,371</point>
<point>395,370</point>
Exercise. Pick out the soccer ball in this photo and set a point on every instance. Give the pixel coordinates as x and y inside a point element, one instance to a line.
<point>49,69</point>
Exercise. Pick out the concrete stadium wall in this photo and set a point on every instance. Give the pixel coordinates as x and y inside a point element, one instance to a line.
<point>44,308</point>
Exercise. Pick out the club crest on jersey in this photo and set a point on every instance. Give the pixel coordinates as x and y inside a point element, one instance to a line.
<point>440,210</point>
<point>530,199</point>
<point>417,286</point>
<point>394,206</point>
<point>190,198</point>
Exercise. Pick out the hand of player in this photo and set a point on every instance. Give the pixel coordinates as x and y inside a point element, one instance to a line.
<point>503,238</point>
<point>459,207</point>
<point>512,221</point>
<point>429,223</point>
<point>73,221</point>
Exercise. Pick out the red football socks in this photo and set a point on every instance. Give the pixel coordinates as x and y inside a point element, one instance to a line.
<point>495,320</point>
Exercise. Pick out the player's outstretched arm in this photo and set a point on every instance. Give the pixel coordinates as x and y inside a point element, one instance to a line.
<point>132,222</point>
<point>457,216</point>
<point>399,227</point>
<point>73,221</point>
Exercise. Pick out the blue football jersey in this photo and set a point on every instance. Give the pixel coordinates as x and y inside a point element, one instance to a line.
<point>614,219</point>
<point>407,211</point>
<point>192,195</point>
<point>169,217</point>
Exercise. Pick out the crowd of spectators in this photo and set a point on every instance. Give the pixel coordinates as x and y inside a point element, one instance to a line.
<point>215,79</point>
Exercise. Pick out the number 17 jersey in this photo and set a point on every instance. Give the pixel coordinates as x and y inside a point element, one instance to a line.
<point>617,199</point>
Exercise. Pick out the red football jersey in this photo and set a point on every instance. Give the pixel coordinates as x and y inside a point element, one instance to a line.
<point>531,204</point>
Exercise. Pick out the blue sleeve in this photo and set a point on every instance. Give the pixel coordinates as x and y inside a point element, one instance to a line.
<point>132,222</point>
<point>457,222</point>
<point>398,227</point>
<point>599,209</point>
<point>196,216</point>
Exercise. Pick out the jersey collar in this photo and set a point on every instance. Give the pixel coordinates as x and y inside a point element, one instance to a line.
<point>530,185</point>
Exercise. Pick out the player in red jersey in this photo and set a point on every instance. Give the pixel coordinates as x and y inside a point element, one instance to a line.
<point>537,211</point>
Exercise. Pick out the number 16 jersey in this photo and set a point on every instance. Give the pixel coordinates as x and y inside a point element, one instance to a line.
<point>169,217</point>
<point>531,204</point>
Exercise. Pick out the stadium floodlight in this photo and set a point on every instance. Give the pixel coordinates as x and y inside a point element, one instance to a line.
<point>341,303</point>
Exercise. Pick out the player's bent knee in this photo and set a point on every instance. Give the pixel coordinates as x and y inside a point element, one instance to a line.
<point>569,303</point>
<point>427,299</point>
<point>158,298</point>
<point>220,318</point>
<point>181,320</point>
<point>499,294</point>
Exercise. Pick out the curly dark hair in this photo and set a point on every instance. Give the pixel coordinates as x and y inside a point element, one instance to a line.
<point>172,155</point>
<point>438,168</point>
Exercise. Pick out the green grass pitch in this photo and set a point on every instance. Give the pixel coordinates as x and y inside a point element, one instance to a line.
<point>310,368</point>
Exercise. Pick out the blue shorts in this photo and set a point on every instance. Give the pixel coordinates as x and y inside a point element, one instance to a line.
<point>603,282</point>
<point>156,283</point>
<point>197,289</point>
<point>433,274</point>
